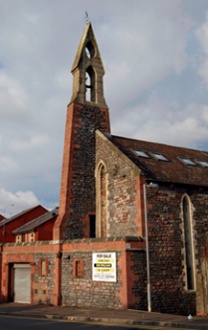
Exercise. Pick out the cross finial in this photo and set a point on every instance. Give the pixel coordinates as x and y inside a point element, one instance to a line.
<point>86,17</point>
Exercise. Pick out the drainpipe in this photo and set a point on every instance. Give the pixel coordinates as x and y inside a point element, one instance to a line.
<point>149,301</point>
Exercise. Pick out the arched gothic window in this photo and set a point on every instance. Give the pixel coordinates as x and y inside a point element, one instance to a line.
<point>101,201</point>
<point>188,242</point>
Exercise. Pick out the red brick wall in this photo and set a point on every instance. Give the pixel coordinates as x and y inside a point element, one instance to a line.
<point>45,231</point>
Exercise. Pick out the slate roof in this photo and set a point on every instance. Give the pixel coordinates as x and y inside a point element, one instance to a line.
<point>30,226</point>
<point>173,170</point>
<point>7,220</point>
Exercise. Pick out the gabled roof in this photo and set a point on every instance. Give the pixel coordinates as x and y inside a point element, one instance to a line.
<point>7,220</point>
<point>165,163</point>
<point>30,226</point>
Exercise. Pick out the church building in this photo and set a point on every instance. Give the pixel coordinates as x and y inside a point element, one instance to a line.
<point>132,225</point>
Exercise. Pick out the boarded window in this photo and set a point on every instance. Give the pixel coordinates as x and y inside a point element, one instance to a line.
<point>43,267</point>
<point>78,268</point>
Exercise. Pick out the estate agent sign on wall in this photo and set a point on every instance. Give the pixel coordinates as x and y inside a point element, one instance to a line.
<point>104,266</point>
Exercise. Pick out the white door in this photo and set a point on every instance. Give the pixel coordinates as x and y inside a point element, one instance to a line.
<point>22,283</point>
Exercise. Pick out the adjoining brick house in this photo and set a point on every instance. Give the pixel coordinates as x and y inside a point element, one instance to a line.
<point>132,225</point>
<point>7,225</point>
<point>17,258</point>
<point>39,229</point>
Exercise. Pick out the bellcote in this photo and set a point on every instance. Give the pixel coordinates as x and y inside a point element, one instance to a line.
<point>88,71</point>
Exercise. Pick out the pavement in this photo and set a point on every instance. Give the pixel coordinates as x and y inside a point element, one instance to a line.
<point>124,317</point>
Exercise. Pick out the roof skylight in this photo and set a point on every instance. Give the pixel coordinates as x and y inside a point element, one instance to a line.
<point>187,161</point>
<point>203,163</point>
<point>140,153</point>
<point>159,156</point>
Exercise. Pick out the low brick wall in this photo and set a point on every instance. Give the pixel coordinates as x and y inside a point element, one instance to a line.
<point>81,290</point>
<point>62,272</point>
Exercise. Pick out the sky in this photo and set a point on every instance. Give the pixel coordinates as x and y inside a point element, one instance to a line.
<point>155,55</point>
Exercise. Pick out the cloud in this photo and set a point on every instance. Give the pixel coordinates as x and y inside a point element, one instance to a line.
<point>166,123</point>
<point>13,98</point>
<point>12,203</point>
<point>144,54</point>
<point>34,142</point>
<point>202,35</point>
<point>6,164</point>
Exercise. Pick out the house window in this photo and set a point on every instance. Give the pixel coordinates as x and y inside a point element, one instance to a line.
<point>188,243</point>
<point>31,237</point>
<point>18,239</point>
<point>23,237</point>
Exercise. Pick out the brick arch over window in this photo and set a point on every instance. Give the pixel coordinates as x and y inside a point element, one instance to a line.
<point>101,200</point>
<point>188,242</point>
